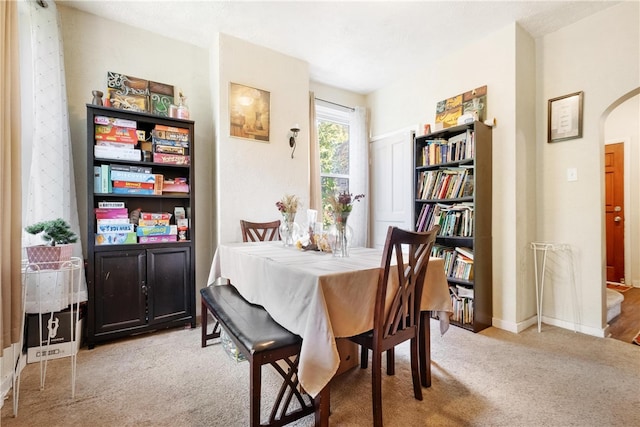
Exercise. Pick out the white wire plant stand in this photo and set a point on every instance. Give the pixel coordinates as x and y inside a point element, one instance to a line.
<point>48,288</point>
<point>541,250</point>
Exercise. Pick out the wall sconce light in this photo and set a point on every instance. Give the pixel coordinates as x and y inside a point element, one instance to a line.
<point>292,138</point>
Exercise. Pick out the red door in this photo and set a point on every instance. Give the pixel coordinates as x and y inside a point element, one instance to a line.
<point>614,206</point>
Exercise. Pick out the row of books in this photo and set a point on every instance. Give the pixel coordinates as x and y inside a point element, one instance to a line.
<point>170,145</point>
<point>449,183</point>
<point>119,139</point>
<point>114,226</point>
<point>458,261</point>
<point>125,179</point>
<point>454,149</point>
<point>462,304</point>
<point>454,219</point>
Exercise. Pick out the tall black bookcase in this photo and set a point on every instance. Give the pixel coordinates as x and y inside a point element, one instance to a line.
<point>452,187</point>
<point>140,287</point>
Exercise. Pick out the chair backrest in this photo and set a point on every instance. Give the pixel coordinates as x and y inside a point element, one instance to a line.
<point>260,231</point>
<point>411,251</point>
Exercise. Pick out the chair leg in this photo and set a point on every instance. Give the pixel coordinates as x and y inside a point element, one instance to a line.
<point>364,357</point>
<point>322,406</point>
<point>415,370</point>
<point>424,342</point>
<point>391,361</point>
<point>376,388</point>
<point>254,393</point>
<point>203,323</point>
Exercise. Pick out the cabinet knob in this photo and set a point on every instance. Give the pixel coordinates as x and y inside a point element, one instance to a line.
<point>617,219</point>
<point>144,289</point>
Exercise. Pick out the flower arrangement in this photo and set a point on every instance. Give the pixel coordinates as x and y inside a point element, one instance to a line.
<point>288,204</point>
<point>343,202</point>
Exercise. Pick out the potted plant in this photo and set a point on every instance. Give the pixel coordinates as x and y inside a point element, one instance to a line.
<point>59,236</point>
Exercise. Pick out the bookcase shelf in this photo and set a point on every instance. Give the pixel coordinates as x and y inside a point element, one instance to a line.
<point>452,187</point>
<point>140,287</point>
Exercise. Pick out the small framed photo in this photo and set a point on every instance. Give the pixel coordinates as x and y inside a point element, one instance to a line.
<point>249,112</point>
<point>565,117</point>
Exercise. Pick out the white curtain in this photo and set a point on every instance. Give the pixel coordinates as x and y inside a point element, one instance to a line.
<point>51,188</point>
<point>315,193</point>
<point>359,173</point>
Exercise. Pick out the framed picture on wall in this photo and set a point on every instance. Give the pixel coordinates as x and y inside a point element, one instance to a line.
<point>564,119</point>
<point>249,110</point>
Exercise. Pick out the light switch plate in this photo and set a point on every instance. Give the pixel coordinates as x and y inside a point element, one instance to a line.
<point>572,174</point>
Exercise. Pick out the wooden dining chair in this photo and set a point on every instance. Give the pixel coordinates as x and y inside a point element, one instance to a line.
<point>402,320</point>
<point>260,231</point>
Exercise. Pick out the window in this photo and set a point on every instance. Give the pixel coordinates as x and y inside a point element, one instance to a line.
<point>333,127</point>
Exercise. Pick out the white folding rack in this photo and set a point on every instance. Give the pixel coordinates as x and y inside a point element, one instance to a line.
<point>46,290</point>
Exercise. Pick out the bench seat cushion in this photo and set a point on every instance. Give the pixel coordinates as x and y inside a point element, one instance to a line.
<point>249,323</point>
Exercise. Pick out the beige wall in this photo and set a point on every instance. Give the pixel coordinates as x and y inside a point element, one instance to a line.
<point>532,199</point>
<point>599,55</point>
<point>338,96</point>
<point>412,100</point>
<point>252,176</point>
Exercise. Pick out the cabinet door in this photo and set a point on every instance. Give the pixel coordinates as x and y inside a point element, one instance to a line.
<point>169,284</point>
<point>120,300</point>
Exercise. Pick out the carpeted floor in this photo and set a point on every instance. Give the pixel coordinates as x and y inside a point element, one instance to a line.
<point>493,378</point>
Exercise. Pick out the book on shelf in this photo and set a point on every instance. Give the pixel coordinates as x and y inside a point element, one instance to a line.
<point>170,142</point>
<point>169,149</point>
<point>115,228</point>
<point>142,191</point>
<point>130,184</point>
<point>124,145</point>
<point>116,134</point>
<point>171,186</point>
<point>157,230</point>
<point>468,252</point>
<point>115,238</point>
<point>130,168</point>
<point>119,175</point>
<point>101,183</point>
<point>111,205</point>
<point>125,123</point>
<point>158,239</point>
<point>171,133</point>
<point>464,292</point>
<point>112,221</point>
<point>171,159</point>
<point>109,210</point>
<point>152,222</point>
<point>155,215</point>
<point>115,153</point>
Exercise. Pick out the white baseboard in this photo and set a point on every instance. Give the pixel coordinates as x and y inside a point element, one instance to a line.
<point>521,326</point>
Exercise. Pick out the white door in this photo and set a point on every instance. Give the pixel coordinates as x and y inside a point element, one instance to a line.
<point>391,184</point>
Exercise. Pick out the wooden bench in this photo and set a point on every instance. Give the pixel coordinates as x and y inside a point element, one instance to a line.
<point>263,341</point>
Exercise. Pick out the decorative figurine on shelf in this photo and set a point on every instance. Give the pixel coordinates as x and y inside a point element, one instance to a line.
<point>97,97</point>
<point>183,110</point>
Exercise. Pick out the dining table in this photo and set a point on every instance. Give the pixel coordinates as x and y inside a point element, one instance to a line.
<point>318,296</point>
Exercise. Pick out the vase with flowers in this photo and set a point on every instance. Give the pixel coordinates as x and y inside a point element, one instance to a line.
<point>288,206</point>
<point>340,206</point>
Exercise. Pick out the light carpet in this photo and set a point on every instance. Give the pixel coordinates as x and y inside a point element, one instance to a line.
<point>493,378</point>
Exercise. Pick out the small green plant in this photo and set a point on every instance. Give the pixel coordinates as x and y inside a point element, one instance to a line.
<point>54,232</point>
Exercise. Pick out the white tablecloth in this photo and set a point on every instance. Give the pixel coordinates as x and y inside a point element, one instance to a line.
<point>317,296</point>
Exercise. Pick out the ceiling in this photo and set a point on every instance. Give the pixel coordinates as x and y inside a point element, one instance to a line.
<point>359,46</point>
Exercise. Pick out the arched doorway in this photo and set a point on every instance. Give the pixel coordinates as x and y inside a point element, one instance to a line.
<point>620,134</point>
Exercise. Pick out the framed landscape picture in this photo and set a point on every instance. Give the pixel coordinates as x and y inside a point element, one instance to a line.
<point>564,119</point>
<point>249,110</point>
